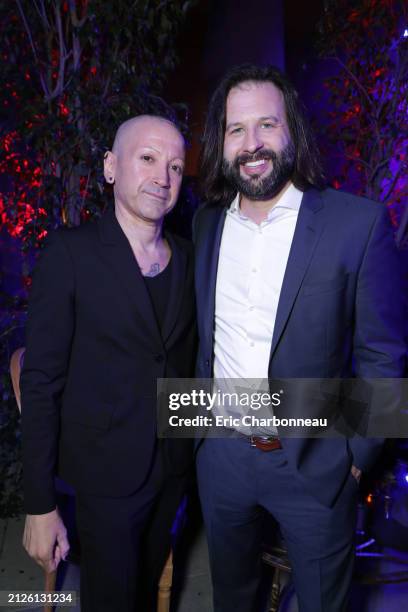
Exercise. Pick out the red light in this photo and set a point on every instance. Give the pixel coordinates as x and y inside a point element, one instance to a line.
<point>64,110</point>
<point>354,15</point>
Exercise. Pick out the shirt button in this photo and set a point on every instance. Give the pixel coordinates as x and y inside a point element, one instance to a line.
<point>252,344</point>
<point>254,270</point>
<point>207,362</point>
<point>251,308</point>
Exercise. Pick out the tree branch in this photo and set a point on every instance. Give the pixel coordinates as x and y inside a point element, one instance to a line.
<point>37,61</point>
<point>358,160</point>
<point>77,23</point>
<point>42,13</point>
<point>393,183</point>
<point>378,167</point>
<point>28,31</point>
<point>59,86</point>
<point>108,80</point>
<point>352,76</point>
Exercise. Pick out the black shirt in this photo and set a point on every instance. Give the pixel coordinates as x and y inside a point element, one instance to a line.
<point>159,290</point>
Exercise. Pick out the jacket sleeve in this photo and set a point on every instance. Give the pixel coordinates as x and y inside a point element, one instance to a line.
<point>49,333</point>
<point>379,334</point>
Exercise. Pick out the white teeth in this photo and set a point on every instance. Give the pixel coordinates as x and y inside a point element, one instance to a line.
<point>259,162</point>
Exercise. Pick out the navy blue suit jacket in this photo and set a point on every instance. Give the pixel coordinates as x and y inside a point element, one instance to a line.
<point>340,314</point>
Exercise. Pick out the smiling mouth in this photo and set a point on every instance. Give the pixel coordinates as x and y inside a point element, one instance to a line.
<point>256,167</point>
<point>256,163</point>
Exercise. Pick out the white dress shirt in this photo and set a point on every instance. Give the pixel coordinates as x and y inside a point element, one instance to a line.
<point>251,267</point>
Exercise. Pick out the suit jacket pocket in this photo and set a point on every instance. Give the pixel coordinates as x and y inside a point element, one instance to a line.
<point>325,286</point>
<point>96,416</point>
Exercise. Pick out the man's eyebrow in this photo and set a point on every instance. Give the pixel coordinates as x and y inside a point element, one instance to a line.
<point>266,118</point>
<point>270,118</point>
<point>230,125</point>
<point>159,152</point>
<point>176,157</point>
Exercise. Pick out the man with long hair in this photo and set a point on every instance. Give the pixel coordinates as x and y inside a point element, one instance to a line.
<point>294,280</point>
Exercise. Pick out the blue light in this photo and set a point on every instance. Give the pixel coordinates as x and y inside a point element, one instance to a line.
<point>406,478</point>
<point>405,34</point>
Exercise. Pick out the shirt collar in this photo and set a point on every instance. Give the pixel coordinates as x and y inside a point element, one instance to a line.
<point>290,199</point>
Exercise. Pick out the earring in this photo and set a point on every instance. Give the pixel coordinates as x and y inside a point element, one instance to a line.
<point>111,179</point>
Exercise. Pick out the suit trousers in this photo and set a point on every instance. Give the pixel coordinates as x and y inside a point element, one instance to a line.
<point>238,484</point>
<point>111,531</point>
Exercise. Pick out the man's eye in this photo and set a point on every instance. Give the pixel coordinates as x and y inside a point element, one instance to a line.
<point>177,169</point>
<point>147,158</point>
<point>236,130</point>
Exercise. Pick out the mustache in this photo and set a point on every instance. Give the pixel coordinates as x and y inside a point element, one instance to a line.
<point>252,157</point>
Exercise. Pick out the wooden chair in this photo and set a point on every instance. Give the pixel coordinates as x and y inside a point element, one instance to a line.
<point>166,579</point>
<point>276,557</point>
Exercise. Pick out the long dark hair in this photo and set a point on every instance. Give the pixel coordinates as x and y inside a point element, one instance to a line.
<point>307,169</point>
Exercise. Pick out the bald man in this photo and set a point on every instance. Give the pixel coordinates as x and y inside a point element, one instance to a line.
<point>111,310</point>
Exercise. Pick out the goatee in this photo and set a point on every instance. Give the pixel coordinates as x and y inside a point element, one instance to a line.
<point>256,187</point>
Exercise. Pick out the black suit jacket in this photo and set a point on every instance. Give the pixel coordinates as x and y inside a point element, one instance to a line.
<point>340,314</point>
<point>94,352</point>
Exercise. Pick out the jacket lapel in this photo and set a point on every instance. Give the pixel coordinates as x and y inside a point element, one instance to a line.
<point>206,271</point>
<point>178,277</point>
<point>119,258</point>
<point>307,233</point>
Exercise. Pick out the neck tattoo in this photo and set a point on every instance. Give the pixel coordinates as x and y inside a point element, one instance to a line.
<point>154,270</point>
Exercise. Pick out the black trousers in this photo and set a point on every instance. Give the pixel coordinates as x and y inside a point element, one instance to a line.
<point>112,534</point>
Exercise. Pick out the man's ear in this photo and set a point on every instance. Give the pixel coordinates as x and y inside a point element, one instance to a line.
<point>109,166</point>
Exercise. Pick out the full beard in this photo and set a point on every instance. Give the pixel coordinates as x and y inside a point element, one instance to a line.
<point>256,187</point>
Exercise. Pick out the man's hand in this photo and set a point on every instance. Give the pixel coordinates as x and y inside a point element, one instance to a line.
<point>356,472</point>
<point>45,539</point>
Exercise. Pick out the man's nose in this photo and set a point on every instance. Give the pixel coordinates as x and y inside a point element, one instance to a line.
<point>253,141</point>
<point>162,177</point>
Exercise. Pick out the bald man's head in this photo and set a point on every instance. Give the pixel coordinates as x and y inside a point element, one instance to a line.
<point>128,130</point>
<point>146,165</point>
